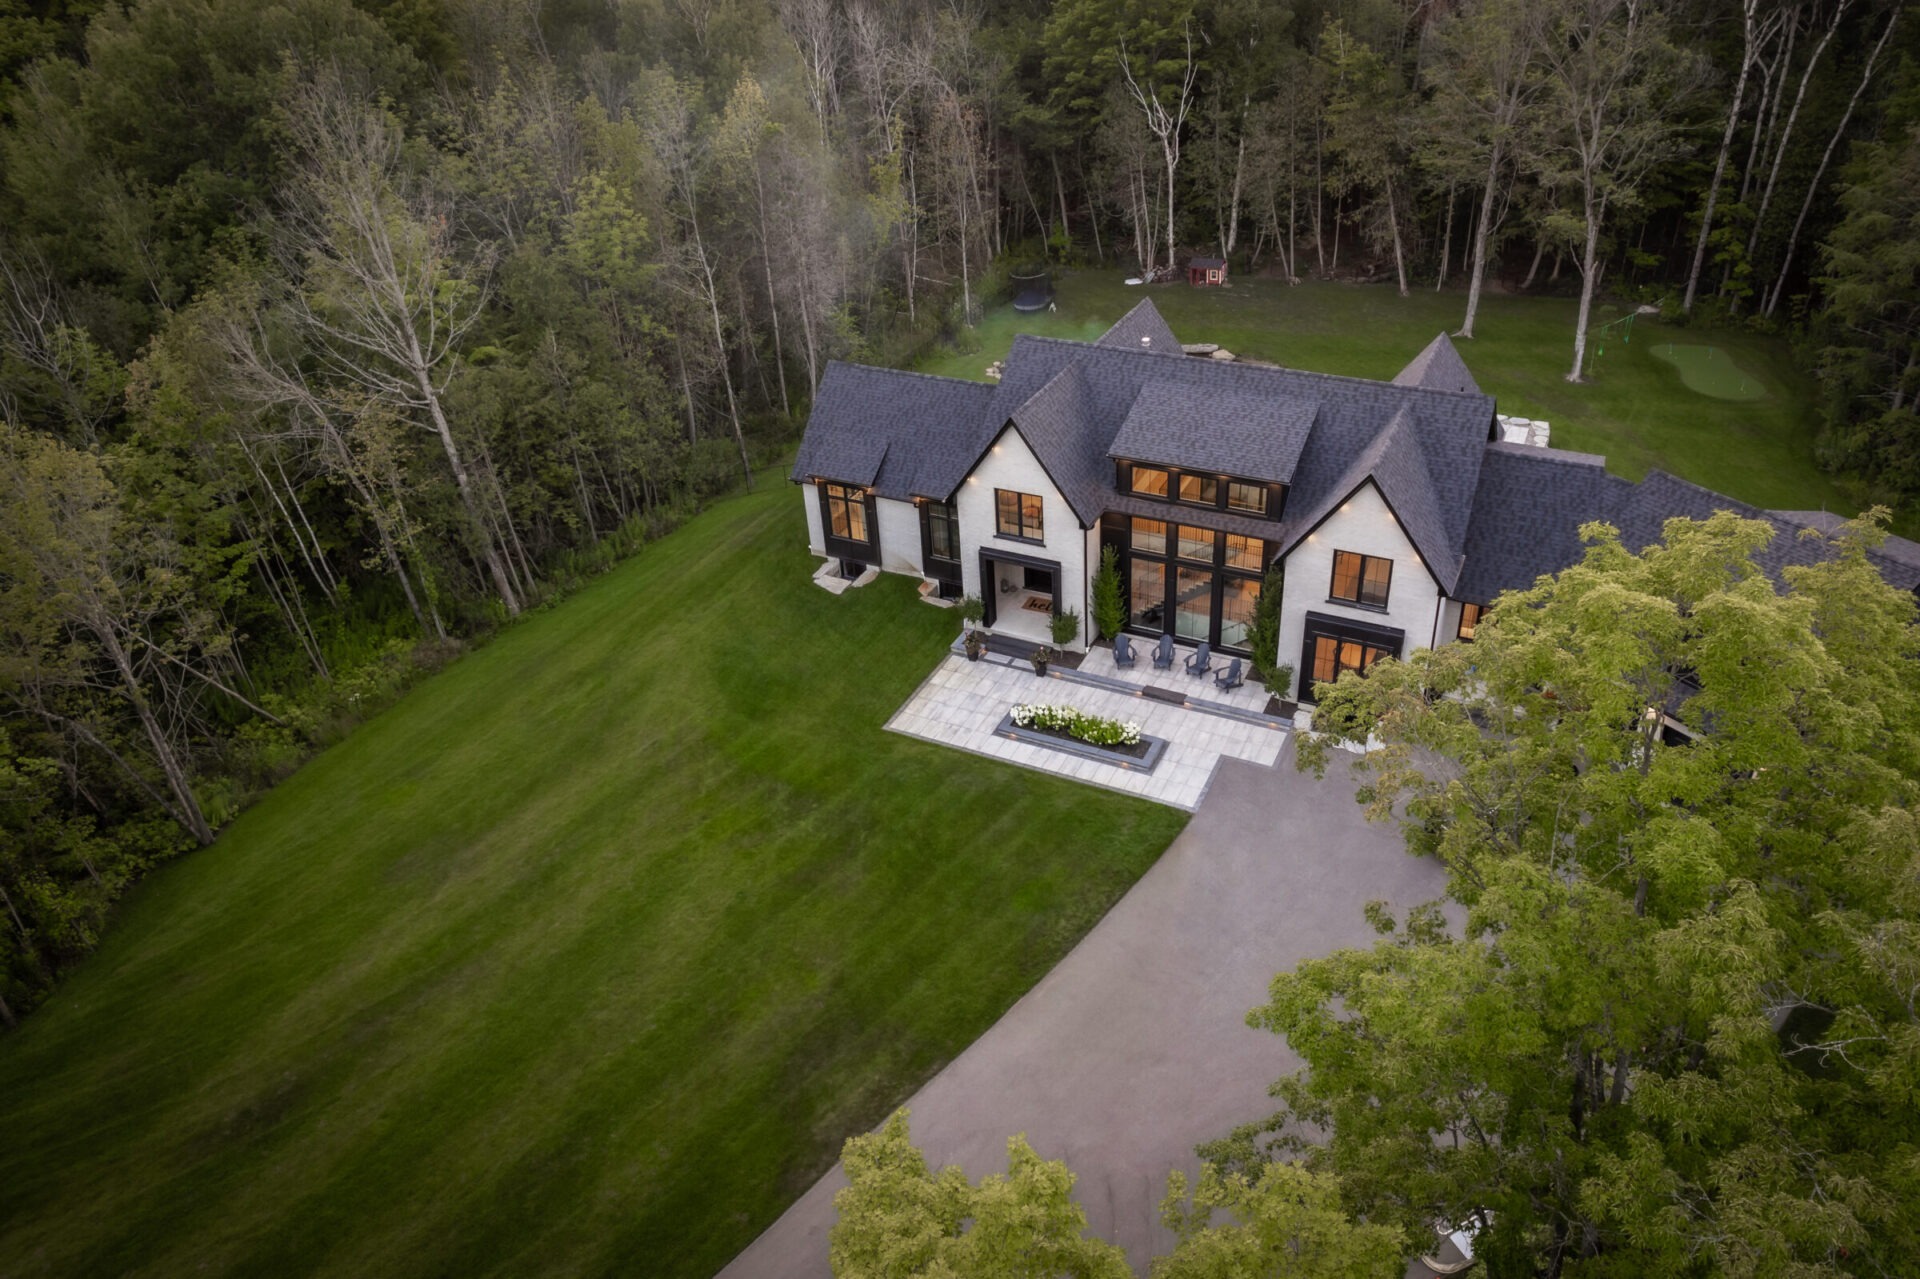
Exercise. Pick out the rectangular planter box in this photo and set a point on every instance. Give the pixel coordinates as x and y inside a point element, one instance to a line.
<point>1156,746</point>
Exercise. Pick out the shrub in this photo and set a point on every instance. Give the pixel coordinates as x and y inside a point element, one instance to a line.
<point>1065,626</point>
<point>972,609</point>
<point>1263,634</point>
<point>1109,608</point>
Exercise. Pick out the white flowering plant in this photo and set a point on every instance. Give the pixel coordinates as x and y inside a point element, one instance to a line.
<point>1095,730</point>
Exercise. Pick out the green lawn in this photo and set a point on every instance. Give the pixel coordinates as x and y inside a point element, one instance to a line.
<point>1636,409</point>
<point>580,960</point>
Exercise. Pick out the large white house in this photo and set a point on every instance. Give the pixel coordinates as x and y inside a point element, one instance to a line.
<point>1395,509</point>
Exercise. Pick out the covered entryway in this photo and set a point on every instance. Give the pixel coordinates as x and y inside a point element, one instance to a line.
<point>1336,644</point>
<point>1021,594</point>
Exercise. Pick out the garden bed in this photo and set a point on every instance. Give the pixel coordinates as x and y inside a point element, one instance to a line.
<point>1142,756</point>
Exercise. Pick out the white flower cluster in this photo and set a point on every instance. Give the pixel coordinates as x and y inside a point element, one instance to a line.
<point>1093,729</point>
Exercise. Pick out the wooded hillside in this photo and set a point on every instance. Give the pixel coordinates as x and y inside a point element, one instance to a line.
<point>332,335</point>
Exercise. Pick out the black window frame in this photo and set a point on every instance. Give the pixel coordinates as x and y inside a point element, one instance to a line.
<point>1272,507</point>
<point>848,497</point>
<point>1038,536</point>
<point>1463,632</point>
<point>1359,598</point>
<point>1167,490</point>
<point>1256,512</point>
<point>1117,531</point>
<point>942,516</point>
<point>1200,478</point>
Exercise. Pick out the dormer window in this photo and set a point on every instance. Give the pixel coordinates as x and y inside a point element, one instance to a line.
<point>1200,490</point>
<point>1150,481</point>
<point>1248,499</point>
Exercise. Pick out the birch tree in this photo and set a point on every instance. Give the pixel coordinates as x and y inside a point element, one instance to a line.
<point>1759,25</point>
<point>385,300</point>
<point>1615,91</point>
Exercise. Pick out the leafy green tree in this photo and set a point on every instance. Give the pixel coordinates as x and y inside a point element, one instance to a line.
<point>1286,1221</point>
<point>899,1219</point>
<point>1672,1029</point>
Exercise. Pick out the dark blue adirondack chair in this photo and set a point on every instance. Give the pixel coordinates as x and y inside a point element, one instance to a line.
<point>1163,654</point>
<point>1202,660</point>
<point>1229,678</point>
<point>1123,654</point>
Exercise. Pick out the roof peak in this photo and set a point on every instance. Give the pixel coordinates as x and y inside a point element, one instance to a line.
<point>1438,367</point>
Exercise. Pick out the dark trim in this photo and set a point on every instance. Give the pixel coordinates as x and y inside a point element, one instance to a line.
<point>1276,491</point>
<point>1293,544</point>
<point>990,595</point>
<point>1045,470</point>
<point>1333,578</point>
<point>840,548</point>
<point>938,567</point>
<point>1342,628</point>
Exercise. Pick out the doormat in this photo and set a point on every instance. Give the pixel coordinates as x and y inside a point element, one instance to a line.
<point>1035,604</point>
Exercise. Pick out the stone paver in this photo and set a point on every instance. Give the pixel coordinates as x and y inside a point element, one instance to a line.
<point>1135,1047</point>
<point>961,703</point>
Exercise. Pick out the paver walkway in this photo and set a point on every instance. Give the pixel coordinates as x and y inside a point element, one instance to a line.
<point>1135,1047</point>
<point>962,702</point>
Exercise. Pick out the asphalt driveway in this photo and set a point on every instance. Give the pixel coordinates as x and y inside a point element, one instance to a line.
<point>1136,1047</point>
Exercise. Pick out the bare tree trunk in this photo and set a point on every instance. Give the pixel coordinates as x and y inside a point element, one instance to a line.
<point>1539,252</point>
<point>1446,244</point>
<point>1720,161</point>
<point>1233,201</point>
<point>1826,158</point>
<point>720,343</point>
<point>773,303</point>
<point>1480,234</point>
<point>1786,133</point>
<point>185,807</point>
<point>1393,226</point>
<point>489,550</point>
<point>1589,279</point>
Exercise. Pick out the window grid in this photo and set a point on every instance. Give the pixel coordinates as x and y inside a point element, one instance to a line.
<point>1470,615</point>
<point>1361,579</point>
<point>847,513</point>
<point>1020,515</point>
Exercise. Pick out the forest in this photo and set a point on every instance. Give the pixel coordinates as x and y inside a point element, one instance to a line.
<point>335,335</point>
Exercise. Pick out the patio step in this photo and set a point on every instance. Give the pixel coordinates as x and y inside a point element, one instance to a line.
<point>1173,697</point>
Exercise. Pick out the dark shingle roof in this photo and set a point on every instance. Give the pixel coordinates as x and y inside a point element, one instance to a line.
<point>1898,549</point>
<point>1527,513</point>
<point>1438,368</point>
<point>900,433</point>
<point>1206,264</point>
<point>1234,432</point>
<point>1142,322</point>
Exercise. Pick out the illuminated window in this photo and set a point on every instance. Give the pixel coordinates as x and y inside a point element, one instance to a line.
<point>1150,481</point>
<point>1019,515</point>
<point>943,531</point>
<point>1332,656</point>
<point>1147,597</point>
<point>846,512</point>
<point>1198,543</point>
<point>1244,552</point>
<point>1200,490</point>
<point>1149,536</point>
<point>1470,615</point>
<point>1361,579</point>
<point>1248,498</point>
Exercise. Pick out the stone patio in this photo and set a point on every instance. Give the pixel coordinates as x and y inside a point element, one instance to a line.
<point>961,704</point>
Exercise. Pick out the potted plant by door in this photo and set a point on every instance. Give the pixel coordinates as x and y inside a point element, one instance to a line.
<point>1041,656</point>
<point>976,645</point>
<point>971,611</point>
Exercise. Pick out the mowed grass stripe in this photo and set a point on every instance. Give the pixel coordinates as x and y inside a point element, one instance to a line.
<point>580,959</point>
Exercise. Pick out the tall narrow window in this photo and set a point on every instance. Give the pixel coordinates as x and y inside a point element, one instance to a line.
<point>846,512</point>
<point>1361,579</point>
<point>1470,615</point>
<point>943,531</point>
<point>1019,515</point>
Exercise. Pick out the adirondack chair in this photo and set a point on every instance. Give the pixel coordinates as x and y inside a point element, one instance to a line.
<point>1202,660</point>
<point>1229,678</point>
<point>1123,655</point>
<point>1163,654</point>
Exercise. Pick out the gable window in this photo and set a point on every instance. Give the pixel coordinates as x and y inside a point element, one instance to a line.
<point>943,531</point>
<point>1249,499</point>
<point>1149,537</point>
<point>1470,615</point>
<point>1200,490</point>
<point>1019,515</point>
<point>846,512</point>
<point>1361,579</point>
<point>1332,655</point>
<point>1149,481</point>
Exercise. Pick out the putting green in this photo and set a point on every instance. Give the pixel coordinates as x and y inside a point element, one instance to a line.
<point>1711,370</point>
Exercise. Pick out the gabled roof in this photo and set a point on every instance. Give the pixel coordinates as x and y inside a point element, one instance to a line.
<point>1438,368</point>
<point>1234,431</point>
<point>1054,421</point>
<point>1396,464</point>
<point>898,433</point>
<point>1141,329</point>
<point>1206,264</point>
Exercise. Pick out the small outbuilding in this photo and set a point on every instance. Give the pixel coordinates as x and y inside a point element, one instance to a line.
<point>1202,272</point>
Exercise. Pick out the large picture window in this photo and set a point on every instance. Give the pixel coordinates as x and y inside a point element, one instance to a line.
<point>1193,603</point>
<point>1020,515</point>
<point>1147,594</point>
<point>847,512</point>
<point>1361,579</point>
<point>1238,595</point>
